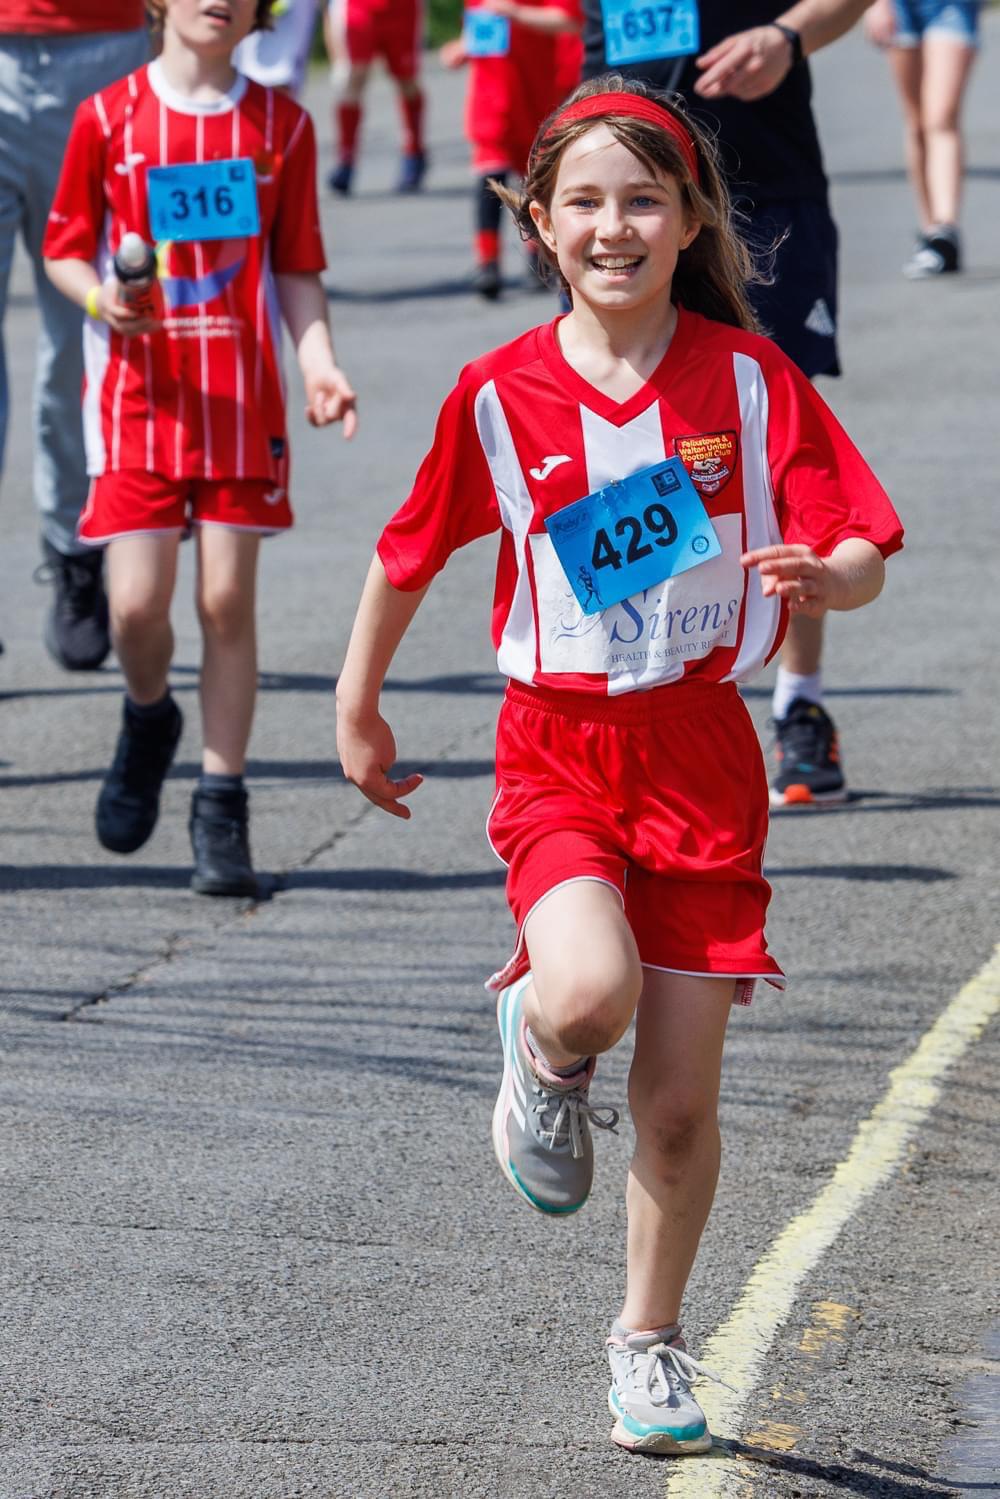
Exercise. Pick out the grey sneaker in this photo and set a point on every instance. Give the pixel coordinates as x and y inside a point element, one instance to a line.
<point>650,1396</point>
<point>540,1122</point>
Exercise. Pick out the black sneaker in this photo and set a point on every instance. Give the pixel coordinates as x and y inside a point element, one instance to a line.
<point>808,758</point>
<point>76,630</point>
<point>936,254</point>
<point>486,281</point>
<point>219,828</point>
<point>129,800</point>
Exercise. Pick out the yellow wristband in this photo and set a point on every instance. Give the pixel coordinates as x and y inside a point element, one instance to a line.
<point>92,303</point>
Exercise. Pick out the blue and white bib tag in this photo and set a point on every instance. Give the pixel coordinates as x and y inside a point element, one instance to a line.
<point>632,534</point>
<point>637,31</point>
<point>203,200</point>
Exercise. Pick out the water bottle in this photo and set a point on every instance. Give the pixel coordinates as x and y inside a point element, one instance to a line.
<point>135,269</point>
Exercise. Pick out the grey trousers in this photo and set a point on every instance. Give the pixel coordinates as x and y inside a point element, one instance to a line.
<point>42,80</point>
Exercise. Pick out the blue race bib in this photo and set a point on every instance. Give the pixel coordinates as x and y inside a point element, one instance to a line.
<point>635,31</point>
<point>203,200</point>
<point>632,534</point>
<point>485,35</point>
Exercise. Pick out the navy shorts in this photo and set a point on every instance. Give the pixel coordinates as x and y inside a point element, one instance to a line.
<point>799,309</point>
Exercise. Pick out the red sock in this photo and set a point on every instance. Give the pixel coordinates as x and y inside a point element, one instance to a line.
<point>348,125</point>
<point>487,245</point>
<point>412,110</point>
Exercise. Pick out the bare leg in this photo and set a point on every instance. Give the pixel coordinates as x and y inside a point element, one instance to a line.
<point>673,1095</point>
<point>586,976</point>
<point>946,71</point>
<point>141,573</point>
<point>907,69</point>
<point>802,652</point>
<point>226,599</point>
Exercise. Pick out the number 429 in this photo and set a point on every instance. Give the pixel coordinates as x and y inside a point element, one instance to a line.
<point>656,519</point>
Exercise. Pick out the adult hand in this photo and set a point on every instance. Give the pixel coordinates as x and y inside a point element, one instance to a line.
<point>748,65</point>
<point>367,751</point>
<point>880,23</point>
<point>794,573</point>
<point>330,398</point>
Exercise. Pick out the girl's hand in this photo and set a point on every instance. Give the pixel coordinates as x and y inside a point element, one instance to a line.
<point>796,575</point>
<point>880,23</point>
<point>452,54</point>
<point>119,316</point>
<point>330,398</point>
<point>367,750</point>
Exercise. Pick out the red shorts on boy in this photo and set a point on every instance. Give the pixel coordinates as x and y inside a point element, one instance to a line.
<point>660,794</point>
<point>390,29</point>
<point>131,502</point>
<point>510,96</point>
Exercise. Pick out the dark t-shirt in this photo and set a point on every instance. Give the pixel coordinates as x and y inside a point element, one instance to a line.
<point>770,148</point>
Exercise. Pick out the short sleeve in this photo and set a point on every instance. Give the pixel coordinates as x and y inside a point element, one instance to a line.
<point>824,489</point>
<point>76,217</point>
<point>296,237</point>
<point>453,500</point>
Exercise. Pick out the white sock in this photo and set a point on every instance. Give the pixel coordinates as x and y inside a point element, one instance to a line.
<point>788,685</point>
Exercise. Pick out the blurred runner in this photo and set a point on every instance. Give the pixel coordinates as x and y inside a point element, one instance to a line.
<point>357,32</point>
<point>278,58</point>
<point>523,56</point>
<point>932,45</point>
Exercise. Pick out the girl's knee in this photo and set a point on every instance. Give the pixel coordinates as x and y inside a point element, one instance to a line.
<point>136,614</point>
<point>590,1011</point>
<point>670,1124</point>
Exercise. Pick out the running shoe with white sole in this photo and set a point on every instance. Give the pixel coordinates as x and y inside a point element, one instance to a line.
<point>650,1395</point>
<point>540,1123</point>
<point>808,754</point>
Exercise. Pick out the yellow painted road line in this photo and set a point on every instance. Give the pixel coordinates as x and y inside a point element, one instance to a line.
<point>740,1346</point>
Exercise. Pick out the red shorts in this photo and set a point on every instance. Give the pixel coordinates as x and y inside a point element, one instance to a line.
<point>132,502</point>
<point>391,29</point>
<point>660,794</point>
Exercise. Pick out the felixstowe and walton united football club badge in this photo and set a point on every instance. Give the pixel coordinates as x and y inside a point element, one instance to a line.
<point>710,459</point>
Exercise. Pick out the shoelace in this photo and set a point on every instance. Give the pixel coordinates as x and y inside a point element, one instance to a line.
<point>566,1123</point>
<point>668,1368</point>
<point>804,741</point>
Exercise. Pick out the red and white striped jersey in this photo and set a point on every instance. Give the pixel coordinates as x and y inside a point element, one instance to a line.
<point>205,397</point>
<point>523,434</point>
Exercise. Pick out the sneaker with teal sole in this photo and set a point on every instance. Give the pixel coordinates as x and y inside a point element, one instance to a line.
<point>540,1123</point>
<point>650,1395</point>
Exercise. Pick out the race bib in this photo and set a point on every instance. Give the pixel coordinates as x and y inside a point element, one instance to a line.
<point>638,32</point>
<point>631,535</point>
<point>203,200</point>
<point>485,35</point>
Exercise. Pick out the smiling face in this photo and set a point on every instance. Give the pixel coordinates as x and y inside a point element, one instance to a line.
<point>210,27</point>
<point>615,225</point>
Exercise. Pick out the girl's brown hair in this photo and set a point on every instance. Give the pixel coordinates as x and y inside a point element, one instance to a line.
<point>261,22</point>
<point>714,272</point>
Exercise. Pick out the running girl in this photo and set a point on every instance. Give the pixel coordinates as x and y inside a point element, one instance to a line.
<point>184,415</point>
<point>651,448</point>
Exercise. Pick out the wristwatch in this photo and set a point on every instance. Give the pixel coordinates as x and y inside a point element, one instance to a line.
<point>792,38</point>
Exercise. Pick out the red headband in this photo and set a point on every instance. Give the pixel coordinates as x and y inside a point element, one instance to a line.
<point>599,106</point>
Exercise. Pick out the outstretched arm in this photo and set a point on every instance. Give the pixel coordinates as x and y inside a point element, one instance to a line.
<point>750,64</point>
<point>548,19</point>
<point>329,396</point>
<point>365,741</point>
<point>850,577</point>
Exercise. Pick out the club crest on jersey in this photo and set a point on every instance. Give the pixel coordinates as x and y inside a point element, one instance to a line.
<point>710,459</point>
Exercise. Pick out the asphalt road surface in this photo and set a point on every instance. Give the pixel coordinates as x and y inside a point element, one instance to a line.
<point>254,1241</point>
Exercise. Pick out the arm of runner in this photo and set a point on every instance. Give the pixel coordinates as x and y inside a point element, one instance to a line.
<point>880,23</point>
<point>329,395</point>
<point>365,742</point>
<point>78,280</point>
<point>549,20</point>
<point>750,64</point>
<point>850,577</point>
